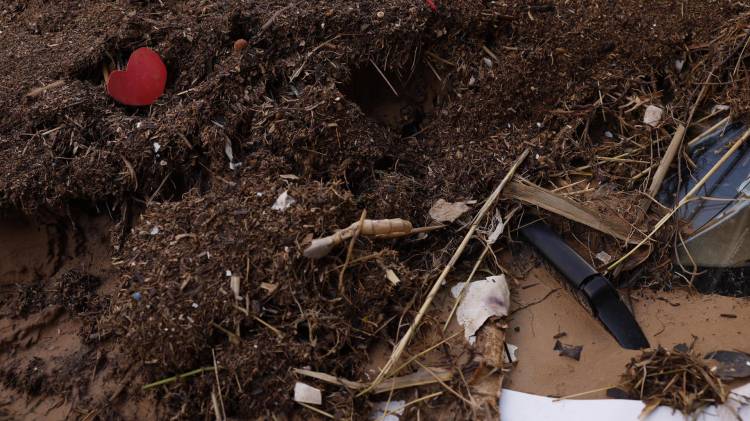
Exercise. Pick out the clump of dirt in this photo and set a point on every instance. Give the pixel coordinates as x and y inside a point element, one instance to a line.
<point>31,298</point>
<point>289,310</point>
<point>30,379</point>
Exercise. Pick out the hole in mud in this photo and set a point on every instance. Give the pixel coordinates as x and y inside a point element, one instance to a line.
<point>578,162</point>
<point>664,85</point>
<point>240,26</point>
<point>273,87</point>
<point>303,332</point>
<point>400,99</point>
<point>384,163</point>
<point>600,128</point>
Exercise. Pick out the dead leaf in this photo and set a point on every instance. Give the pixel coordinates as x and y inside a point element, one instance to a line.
<point>443,211</point>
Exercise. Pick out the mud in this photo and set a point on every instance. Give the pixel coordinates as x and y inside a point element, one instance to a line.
<point>668,318</point>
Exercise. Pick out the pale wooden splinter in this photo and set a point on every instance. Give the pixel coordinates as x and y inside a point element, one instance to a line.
<point>378,228</point>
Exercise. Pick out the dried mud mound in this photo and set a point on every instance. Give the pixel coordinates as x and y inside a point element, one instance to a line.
<point>384,106</point>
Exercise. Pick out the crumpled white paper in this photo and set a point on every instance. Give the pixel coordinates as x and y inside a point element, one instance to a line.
<point>482,300</point>
<point>283,202</point>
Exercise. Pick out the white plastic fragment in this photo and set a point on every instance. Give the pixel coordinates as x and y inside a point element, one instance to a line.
<point>498,230</point>
<point>307,394</point>
<point>387,411</point>
<point>157,146</point>
<point>234,284</point>
<point>678,65</point>
<point>513,351</point>
<point>392,277</point>
<point>230,154</point>
<point>719,107</point>
<point>154,230</point>
<point>482,300</point>
<point>603,257</point>
<point>652,116</point>
<point>283,202</point>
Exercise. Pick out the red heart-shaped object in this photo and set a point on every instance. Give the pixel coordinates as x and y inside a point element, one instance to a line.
<point>141,82</point>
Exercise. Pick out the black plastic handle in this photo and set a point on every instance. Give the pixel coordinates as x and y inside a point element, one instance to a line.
<point>569,263</point>
<point>602,296</point>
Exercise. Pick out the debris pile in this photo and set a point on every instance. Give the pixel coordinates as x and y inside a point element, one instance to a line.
<point>300,186</point>
<point>677,378</point>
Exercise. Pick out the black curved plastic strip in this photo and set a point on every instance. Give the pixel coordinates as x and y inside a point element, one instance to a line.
<point>602,296</point>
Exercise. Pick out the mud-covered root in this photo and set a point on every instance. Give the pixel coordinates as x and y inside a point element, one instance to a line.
<point>389,228</point>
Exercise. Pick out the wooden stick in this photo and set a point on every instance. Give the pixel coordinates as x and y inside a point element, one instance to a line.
<point>384,78</point>
<point>223,414</point>
<point>410,360</point>
<point>588,392</point>
<point>385,371</point>
<point>463,287</point>
<point>178,377</point>
<point>709,131</point>
<point>686,198</point>
<point>415,401</point>
<point>666,161</point>
<point>319,411</point>
<point>42,89</point>
<point>273,17</point>
<point>418,378</point>
<point>350,250</point>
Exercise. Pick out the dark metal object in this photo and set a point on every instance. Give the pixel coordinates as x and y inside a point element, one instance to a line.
<point>601,296</point>
<point>731,365</point>
<point>715,240</point>
<point>717,227</point>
